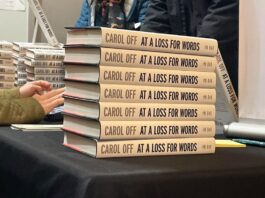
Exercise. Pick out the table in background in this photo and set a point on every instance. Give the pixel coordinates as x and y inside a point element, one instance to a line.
<point>35,164</point>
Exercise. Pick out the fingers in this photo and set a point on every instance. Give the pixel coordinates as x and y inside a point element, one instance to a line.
<point>48,107</point>
<point>54,92</point>
<point>50,99</point>
<point>46,86</point>
<point>34,87</point>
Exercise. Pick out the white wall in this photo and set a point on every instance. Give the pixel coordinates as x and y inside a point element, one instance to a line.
<point>252,59</point>
<point>18,26</point>
<point>14,25</point>
<point>61,13</point>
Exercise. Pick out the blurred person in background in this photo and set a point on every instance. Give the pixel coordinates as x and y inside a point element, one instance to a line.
<point>216,19</point>
<point>123,14</point>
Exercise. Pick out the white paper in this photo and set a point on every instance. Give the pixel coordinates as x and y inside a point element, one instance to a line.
<point>252,60</point>
<point>37,127</point>
<point>18,5</point>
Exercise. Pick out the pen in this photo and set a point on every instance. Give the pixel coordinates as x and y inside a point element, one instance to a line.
<point>250,142</point>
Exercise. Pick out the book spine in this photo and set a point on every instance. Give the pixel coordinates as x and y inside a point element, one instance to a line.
<point>43,22</point>
<point>52,71</point>
<point>157,77</point>
<point>155,147</point>
<point>112,111</point>
<point>229,92</point>
<point>148,147</point>
<point>21,75</point>
<point>57,85</point>
<point>112,130</point>
<point>7,77</point>
<point>6,46</point>
<point>156,129</point>
<point>21,68</point>
<point>6,54</point>
<point>36,63</point>
<point>156,60</point>
<point>7,69</point>
<point>46,56</point>
<point>146,94</point>
<point>6,62</point>
<point>138,40</point>
<point>6,85</point>
<point>20,82</point>
<point>155,111</point>
<point>19,61</point>
<point>53,78</point>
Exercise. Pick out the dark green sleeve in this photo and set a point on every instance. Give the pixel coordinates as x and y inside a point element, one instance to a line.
<point>9,93</point>
<point>22,110</point>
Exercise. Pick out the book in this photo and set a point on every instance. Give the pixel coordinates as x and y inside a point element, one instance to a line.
<point>20,82</point>
<point>45,70</point>
<point>134,58</point>
<point>6,62</point>
<point>43,63</point>
<point>5,54</point>
<point>21,47</point>
<point>138,40</point>
<point>7,69</point>
<point>5,45</point>
<point>43,22</point>
<point>227,101</point>
<point>50,78</point>
<point>7,77</point>
<point>139,76</point>
<point>113,130</point>
<point>6,85</point>
<point>21,74</point>
<point>21,68</point>
<point>225,81</point>
<point>18,61</point>
<point>138,111</point>
<point>138,94</point>
<point>132,148</point>
<point>42,54</point>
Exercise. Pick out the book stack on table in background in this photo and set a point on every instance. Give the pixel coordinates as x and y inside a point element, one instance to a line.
<point>7,69</point>
<point>132,93</point>
<point>21,60</point>
<point>46,64</point>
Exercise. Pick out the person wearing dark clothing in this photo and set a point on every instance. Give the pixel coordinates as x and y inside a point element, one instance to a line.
<point>125,14</point>
<point>216,19</point>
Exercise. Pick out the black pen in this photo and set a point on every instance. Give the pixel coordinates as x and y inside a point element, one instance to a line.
<point>250,142</point>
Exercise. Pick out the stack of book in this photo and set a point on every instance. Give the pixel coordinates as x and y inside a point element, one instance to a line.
<point>21,60</point>
<point>157,99</point>
<point>46,64</point>
<point>7,70</point>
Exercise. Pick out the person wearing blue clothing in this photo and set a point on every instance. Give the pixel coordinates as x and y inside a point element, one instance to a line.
<point>125,14</point>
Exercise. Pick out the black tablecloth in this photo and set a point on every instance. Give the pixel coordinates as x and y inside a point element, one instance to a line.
<point>35,164</point>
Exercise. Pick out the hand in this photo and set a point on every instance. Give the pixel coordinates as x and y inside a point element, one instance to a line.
<point>50,100</point>
<point>35,87</point>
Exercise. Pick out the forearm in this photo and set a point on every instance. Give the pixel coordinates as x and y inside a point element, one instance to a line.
<point>9,93</point>
<point>23,110</point>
